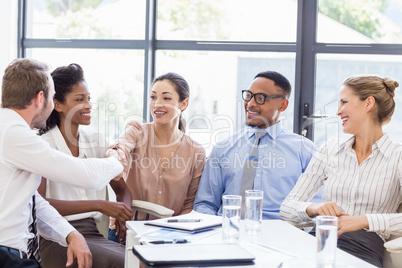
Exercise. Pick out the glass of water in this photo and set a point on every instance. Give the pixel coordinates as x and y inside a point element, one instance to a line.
<point>231,217</point>
<point>327,238</point>
<point>253,215</point>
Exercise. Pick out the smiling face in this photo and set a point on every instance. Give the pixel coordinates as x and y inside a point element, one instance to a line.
<point>165,104</point>
<point>77,106</point>
<point>352,111</point>
<point>267,114</point>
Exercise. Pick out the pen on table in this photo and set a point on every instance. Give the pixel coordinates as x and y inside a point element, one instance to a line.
<point>174,241</point>
<point>184,220</point>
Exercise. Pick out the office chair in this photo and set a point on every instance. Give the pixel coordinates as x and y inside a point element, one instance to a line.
<point>150,209</point>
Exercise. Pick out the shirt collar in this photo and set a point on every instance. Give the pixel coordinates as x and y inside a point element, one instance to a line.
<point>62,145</point>
<point>382,145</point>
<point>273,131</point>
<point>15,116</point>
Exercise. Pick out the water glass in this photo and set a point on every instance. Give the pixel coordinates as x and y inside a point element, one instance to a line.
<point>327,236</point>
<point>231,218</point>
<point>253,215</point>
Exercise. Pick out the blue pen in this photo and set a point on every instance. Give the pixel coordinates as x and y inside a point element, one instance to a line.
<point>174,241</point>
<point>184,220</point>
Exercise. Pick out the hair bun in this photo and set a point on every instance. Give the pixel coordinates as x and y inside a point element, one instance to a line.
<point>390,85</point>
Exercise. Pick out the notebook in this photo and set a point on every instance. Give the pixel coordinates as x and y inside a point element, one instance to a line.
<point>193,254</point>
<point>193,222</point>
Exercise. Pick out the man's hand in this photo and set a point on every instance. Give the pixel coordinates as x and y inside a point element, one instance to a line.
<point>329,209</point>
<point>352,223</point>
<point>78,248</point>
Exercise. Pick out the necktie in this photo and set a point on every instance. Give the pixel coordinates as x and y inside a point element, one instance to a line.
<point>33,243</point>
<point>247,182</point>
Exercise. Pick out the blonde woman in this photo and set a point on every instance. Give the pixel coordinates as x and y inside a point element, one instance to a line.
<point>361,177</point>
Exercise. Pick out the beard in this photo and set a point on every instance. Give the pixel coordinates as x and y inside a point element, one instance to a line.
<point>257,121</point>
<point>39,120</point>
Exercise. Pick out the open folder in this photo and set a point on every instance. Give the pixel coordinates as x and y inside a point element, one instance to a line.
<point>192,254</point>
<point>192,222</point>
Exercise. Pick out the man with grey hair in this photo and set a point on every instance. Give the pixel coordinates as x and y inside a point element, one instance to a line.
<point>27,101</point>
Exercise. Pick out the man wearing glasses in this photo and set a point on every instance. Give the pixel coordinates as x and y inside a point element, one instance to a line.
<point>278,160</point>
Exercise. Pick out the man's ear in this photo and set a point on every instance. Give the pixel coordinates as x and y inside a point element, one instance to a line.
<point>284,106</point>
<point>57,105</point>
<point>38,99</point>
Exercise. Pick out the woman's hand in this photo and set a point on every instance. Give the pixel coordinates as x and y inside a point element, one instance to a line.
<point>346,223</point>
<point>118,210</point>
<point>351,223</point>
<point>329,209</point>
<point>121,228</point>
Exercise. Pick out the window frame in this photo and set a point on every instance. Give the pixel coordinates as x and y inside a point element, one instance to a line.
<point>306,49</point>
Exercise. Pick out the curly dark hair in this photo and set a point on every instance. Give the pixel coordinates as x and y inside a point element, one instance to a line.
<point>64,79</point>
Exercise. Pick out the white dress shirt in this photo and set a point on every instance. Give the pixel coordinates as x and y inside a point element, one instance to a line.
<point>373,188</point>
<point>24,158</point>
<point>91,146</point>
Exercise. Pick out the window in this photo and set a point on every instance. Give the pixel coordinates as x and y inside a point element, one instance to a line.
<point>227,20</point>
<point>100,19</point>
<point>216,108</point>
<point>218,46</point>
<point>371,37</point>
<point>359,21</point>
<point>115,83</point>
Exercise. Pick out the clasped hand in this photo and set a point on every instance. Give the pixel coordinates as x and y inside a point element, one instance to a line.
<point>121,212</point>
<point>346,223</point>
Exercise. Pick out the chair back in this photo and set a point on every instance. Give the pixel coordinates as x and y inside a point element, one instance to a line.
<point>393,259</point>
<point>138,206</point>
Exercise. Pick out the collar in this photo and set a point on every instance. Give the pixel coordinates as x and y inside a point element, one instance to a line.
<point>273,131</point>
<point>14,116</point>
<point>383,145</point>
<point>61,144</point>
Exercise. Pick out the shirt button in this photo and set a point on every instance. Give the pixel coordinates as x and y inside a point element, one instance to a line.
<point>160,192</point>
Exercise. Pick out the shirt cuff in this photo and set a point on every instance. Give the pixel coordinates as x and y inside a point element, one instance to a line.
<point>377,222</point>
<point>201,208</point>
<point>57,233</point>
<point>302,211</point>
<point>67,231</point>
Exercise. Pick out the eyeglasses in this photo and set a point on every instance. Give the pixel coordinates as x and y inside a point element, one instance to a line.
<point>259,98</point>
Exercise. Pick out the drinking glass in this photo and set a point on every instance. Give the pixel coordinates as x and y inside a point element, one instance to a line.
<point>327,236</point>
<point>253,215</point>
<point>231,218</point>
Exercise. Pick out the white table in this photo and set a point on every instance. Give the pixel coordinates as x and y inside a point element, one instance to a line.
<point>276,234</point>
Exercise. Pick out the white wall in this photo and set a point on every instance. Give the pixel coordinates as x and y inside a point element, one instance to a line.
<point>8,33</point>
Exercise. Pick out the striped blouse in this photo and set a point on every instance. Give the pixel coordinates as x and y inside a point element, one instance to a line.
<point>373,188</point>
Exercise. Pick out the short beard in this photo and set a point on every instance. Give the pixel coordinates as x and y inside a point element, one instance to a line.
<point>39,122</point>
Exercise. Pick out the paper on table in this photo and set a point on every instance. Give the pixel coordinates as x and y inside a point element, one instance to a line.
<point>266,257</point>
<point>206,222</point>
<point>170,235</point>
